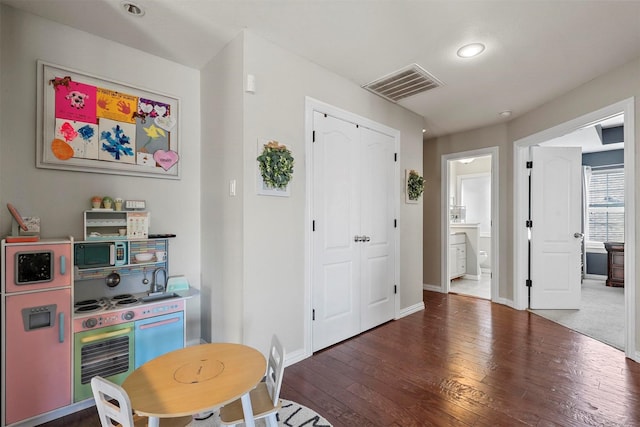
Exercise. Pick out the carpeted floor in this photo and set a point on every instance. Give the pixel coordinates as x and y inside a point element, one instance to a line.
<point>601,314</point>
<point>292,414</point>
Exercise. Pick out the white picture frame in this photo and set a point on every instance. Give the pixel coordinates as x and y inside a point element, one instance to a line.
<point>407,172</point>
<point>140,161</point>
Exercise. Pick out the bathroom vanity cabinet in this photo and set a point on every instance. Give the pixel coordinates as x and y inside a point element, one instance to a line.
<point>457,255</point>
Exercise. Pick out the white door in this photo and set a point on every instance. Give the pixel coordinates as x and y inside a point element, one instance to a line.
<point>556,229</point>
<point>377,225</point>
<point>353,239</point>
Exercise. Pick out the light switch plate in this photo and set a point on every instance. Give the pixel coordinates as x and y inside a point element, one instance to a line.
<point>135,204</point>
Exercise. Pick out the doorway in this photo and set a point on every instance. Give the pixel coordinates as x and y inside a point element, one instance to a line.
<point>521,206</point>
<point>470,223</point>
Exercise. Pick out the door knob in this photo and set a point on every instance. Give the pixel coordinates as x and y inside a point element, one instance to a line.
<point>366,238</point>
<point>578,235</point>
<point>357,238</point>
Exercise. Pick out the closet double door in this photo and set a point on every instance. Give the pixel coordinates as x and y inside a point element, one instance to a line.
<point>354,236</point>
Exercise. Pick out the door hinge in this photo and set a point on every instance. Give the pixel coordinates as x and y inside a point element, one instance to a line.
<point>395,157</point>
<point>313,136</point>
<point>313,225</point>
<point>395,223</point>
<point>529,165</point>
<point>313,314</point>
<point>395,289</point>
<point>529,223</point>
<point>528,282</point>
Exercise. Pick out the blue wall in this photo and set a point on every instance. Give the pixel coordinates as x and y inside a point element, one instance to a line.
<point>597,262</point>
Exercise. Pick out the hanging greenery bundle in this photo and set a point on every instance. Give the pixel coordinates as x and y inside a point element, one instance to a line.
<point>415,185</point>
<point>276,165</point>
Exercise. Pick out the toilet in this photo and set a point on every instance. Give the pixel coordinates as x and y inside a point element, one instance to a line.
<point>482,257</point>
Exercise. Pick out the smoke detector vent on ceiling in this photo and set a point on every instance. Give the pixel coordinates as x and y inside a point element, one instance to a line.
<point>403,83</point>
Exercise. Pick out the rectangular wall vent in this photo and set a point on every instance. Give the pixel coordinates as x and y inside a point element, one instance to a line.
<point>403,83</point>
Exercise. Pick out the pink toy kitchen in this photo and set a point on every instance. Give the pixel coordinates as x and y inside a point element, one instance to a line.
<point>74,309</point>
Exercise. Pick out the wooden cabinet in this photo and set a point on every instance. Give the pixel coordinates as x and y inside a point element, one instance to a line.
<point>457,255</point>
<point>615,264</point>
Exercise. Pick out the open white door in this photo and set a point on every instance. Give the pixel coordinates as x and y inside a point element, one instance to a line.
<point>556,229</point>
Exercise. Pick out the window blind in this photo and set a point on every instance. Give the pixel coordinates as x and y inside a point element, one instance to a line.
<point>606,206</point>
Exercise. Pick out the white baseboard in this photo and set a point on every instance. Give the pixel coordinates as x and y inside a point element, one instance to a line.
<point>411,309</point>
<point>595,277</point>
<point>294,357</point>
<point>434,288</point>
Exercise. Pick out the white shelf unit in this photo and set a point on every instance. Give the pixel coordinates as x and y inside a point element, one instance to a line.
<point>105,225</point>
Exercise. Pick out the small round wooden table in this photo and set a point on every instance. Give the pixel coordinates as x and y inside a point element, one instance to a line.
<point>195,379</point>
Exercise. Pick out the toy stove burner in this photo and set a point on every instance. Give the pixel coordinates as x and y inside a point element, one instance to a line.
<point>89,306</point>
<point>124,300</point>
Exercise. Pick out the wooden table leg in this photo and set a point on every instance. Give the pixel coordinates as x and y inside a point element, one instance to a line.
<point>247,410</point>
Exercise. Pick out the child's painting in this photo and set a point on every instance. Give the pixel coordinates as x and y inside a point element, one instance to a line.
<point>75,101</point>
<point>116,105</point>
<point>117,141</point>
<point>82,137</point>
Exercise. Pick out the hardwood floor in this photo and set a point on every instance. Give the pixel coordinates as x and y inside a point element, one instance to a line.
<point>464,362</point>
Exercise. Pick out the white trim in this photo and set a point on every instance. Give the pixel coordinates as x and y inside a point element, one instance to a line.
<point>433,288</point>
<point>312,105</point>
<point>410,310</point>
<point>595,248</point>
<point>520,208</point>
<point>595,277</point>
<point>294,357</point>
<point>445,285</point>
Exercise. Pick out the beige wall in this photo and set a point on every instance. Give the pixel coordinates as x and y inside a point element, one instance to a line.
<point>59,197</point>
<point>268,289</point>
<point>605,90</point>
<point>222,224</point>
<point>434,149</point>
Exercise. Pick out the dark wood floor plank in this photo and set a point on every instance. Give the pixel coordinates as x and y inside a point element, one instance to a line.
<point>463,362</point>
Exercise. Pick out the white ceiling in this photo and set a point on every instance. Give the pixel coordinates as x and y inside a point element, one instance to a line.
<point>536,50</point>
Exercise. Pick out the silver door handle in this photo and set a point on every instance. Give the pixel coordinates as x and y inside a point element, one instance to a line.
<point>578,235</point>
<point>366,238</point>
<point>357,238</point>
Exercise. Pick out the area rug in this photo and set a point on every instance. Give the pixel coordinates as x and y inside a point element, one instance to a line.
<point>292,414</point>
<point>601,314</point>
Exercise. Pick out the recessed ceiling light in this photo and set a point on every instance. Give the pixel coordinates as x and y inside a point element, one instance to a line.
<point>132,8</point>
<point>505,113</point>
<point>471,50</point>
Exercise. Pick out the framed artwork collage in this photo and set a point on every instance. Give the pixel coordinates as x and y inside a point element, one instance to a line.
<point>91,124</point>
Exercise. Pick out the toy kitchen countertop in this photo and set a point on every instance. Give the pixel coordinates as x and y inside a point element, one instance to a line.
<point>107,311</point>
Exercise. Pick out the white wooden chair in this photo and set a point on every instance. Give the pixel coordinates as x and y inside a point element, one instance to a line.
<point>265,398</point>
<point>113,404</point>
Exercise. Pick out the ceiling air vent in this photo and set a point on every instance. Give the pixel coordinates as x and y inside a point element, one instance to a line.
<point>403,83</point>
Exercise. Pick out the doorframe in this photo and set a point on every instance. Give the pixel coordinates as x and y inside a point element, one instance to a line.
<point>313,105</point>
<point>445,282</point>
<point>520,207</point>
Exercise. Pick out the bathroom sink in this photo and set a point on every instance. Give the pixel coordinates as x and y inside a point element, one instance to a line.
<point>159,297</point>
